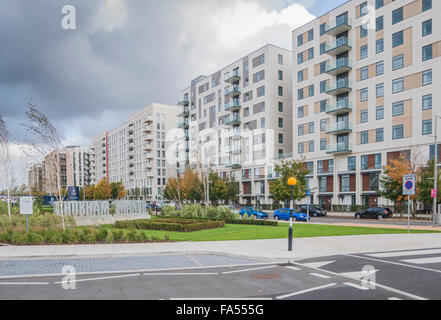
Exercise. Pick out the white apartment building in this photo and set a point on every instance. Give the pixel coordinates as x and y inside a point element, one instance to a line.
<point>365,75</point>
<point>238,121</point>
<point>136,152</point>
<point>100,157</point>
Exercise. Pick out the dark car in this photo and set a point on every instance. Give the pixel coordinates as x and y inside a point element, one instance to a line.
<point>374,213</point>
<point>314,211</point>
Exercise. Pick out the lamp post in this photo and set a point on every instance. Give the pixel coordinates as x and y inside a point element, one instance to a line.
<point>291,182</point>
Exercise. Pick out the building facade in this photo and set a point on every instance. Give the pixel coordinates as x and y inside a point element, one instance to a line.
<point>365,75</point>
<point>136,153</point>
<point>36,178</point>
<point>238,121</point>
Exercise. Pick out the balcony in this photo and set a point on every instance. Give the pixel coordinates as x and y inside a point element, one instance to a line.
<point>339,148</point>
<point>233,121</point>
<point>233,106</point>
<point>338,26</point>
<point>183,102</point>
<point>149,138</point>
<point>233,78</point>
<point>233,165</point>
<point>185,113</point>
<point>148,147</point>
<point>339,127</point>
<point>273,176</point>
<point>259,177</point>
<point>339,87</point>
<point>147,129</point>
<point>234,150</point>
<point>283,156</point>
<point>338,66</point>
<point>236,136</point>
<point>339,107</point>
<point>339,46</point>
<point>232,92</point>
<point>149,120</point>
<point>183,125</point>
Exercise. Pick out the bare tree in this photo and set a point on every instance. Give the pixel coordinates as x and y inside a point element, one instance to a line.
<point>5,160</point>
<point>44,137</point>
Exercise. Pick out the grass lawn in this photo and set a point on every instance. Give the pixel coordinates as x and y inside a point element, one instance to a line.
<point>249,232</point>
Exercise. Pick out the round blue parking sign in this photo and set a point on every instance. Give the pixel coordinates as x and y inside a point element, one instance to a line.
<point>409,185</point>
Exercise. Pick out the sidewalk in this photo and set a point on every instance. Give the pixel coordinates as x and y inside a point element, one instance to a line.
<point>265,250</point>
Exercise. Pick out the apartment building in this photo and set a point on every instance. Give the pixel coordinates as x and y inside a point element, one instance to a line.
<point>365,75</point>
<point>136,152</point>
<point>36,178</point>
<point>238,121</point>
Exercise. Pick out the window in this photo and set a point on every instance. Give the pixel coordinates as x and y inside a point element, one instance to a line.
<point>300,94</point>
<point>322,67</point>
<point>322,86</point>
<point>363,9</point>
<point>427,102</point>
<point>311,53</point>
<point>427,77</point>
<point>379,46</point>
<point>364,73</point>
<point>363,31</point>
<point>301,148</point>
<point>262,122</point>
<point>380,113</point>
<point>323,124</point>
<point>397,39</point>
<point>364,52</point>
<point>364,137</point>
<point>398,62</point>
<point>280,122</point>
<point>379,134</point>
<point>300,76</point>
<point>427,127</point>
<point>280,137</point>
<point>380,68</point>
<point>397,109</point>
<point>427,5</point>
<point>322,29</point>
<point>311,146</point>
<point>299,40</point>
<point>427,52</point>
<point>364,116</point>
<point>397,85</point>
<point>379,25</point>
<point>323,106</point>
<point>427,27</point>
<point>301,112</point>
<point>300,58</point>
<point>311,35</point>
<point>397,15</point>
<point>261,91</point>
<point>352,163</point>
<point>280,75</point>
<point>379,4</point>
<point>322,48</point>
<point>280,91</point>
<point>364,94</point>
<point>280,106</point>
<point>323,143</point>
<point>246,112</point>
<point>280,59</point>
<point>380,90</point>
<point>397,132</point>
<point>311,127</point>
<point>311,90</point>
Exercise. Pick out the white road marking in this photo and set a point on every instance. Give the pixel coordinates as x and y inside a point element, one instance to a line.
<point>404,253</point>
<point>320,275</point>
<point>423,260</point>
<point>181,274</point>
<point>356,286</point>
<point>305,291</point>
<point>317,265</point>
<point>24,283</point>
<point>394,298</point>
<point>293,268</point>
<point>102,278</point>
<point>245,270</point>
<point>209,299</point>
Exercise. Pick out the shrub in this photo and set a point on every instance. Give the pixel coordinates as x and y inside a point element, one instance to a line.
<point>171,224</point>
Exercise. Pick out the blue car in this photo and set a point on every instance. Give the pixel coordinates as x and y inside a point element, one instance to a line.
<point>251,213</point>
<point>283,214</point>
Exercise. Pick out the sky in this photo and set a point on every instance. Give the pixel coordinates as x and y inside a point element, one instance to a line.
<point>124,55</point>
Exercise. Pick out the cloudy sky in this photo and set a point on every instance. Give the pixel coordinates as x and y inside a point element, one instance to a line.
<point>126,54</point>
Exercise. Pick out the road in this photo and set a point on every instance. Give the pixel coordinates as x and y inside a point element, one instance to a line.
<point>397,275</point>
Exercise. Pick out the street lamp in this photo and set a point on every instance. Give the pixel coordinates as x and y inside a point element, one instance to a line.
<point>291,182</point>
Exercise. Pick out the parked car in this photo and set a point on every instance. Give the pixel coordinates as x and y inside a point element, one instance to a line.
<point>374,213</point>
<point>284,214</point>
<point>233,207</point>
<point>251,213</point>
<point>314,211</point>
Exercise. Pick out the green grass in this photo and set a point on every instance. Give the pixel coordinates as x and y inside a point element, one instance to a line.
<point>248,232</point>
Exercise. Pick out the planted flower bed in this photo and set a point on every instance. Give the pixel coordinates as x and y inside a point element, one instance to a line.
<point>172,224</point>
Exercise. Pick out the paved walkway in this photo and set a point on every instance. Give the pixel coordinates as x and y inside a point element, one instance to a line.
<point>271,250</point>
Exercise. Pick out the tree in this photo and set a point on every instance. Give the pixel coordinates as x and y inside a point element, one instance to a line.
<point>233,189</point>
<point>425,183</point>
<point>191,187</point>
<point>217,187</point>
<point>5,160</point>
<point>103,190</point>
<point>118,190</point>
<point>280,189</point>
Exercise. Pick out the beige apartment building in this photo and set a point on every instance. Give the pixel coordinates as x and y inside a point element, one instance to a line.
<point>36,178</point>
<point>136,153</point>
<point>238,121</point>
<point>365,76</point>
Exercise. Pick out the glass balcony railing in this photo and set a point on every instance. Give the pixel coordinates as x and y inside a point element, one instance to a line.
<point>342,147</point>
<point>338,46</point>
<point>339,127</point>
<point>339,66</point>
<point>338,26</point>
<point>232,91</point>
<point>233,77</point>
<point>339,87</point>
<point>233,121</point>
<point>183,102</point>
<point>233,106</point>
<point>342,106</point>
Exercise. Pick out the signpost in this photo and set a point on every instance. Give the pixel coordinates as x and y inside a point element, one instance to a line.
<point>292,182</point>
<point>27,209</point>
<point>409,183</point>
<point>308,193</point>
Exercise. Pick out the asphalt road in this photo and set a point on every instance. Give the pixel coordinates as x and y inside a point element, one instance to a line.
<point>398,275</point>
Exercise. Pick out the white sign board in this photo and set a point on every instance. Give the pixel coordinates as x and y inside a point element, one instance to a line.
<point>26,205</point>
<point>409,183</point>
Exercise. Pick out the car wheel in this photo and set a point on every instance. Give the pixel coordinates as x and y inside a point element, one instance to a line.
<point>380,217</point>
<point>357,216</point>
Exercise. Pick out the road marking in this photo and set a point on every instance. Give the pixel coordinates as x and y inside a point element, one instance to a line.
<point>317,265</point>
<point>181,274</point>
<point>320,275</point>
<point>96,279</point>
<point>305,291</point>
<point>245,270</point>
<point>409,295</point>
<point>356,286</point>
<point>395,263</point>
<point>424,260</point>
<point>24,283</point>
<point>209,299</point>
<point>404,253</point>
<point>394,298</point>
<point>293,268</point>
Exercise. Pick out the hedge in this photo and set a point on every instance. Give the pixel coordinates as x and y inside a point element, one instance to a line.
<point>231,221</point>
<point>178,225</point>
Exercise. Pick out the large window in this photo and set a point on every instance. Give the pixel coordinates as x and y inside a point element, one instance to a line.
<point>427,27</point>
<point>427,102</point>
<point>363,9</point>
<point>397,39</point>
<point>397,15</point>
<point>364,73</point>
<point>379,134</point>
<point>427,77</point>
<point>379,46</point>
<point>379,23</point>
<point>352,164</point>
<point>364,94</point>
<point>398,109</point>
<point>364,116</point>
<point>427,5</point>
<point>398,62</point>
<point>397,132</point>
<point>427,52</point>
<point>397,85</point>
<point>380,90</point>
<point>380,68</point>
<point>380,113</point>
<point>364,52</point>
<point>363,31</point>
<point>427,127</point>
<point>364,137</point>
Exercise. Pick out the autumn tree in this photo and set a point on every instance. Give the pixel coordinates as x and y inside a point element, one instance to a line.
<point>217,188</point>
<point>118,190</point>
<point>425,183</point>
<point>103,190</point>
